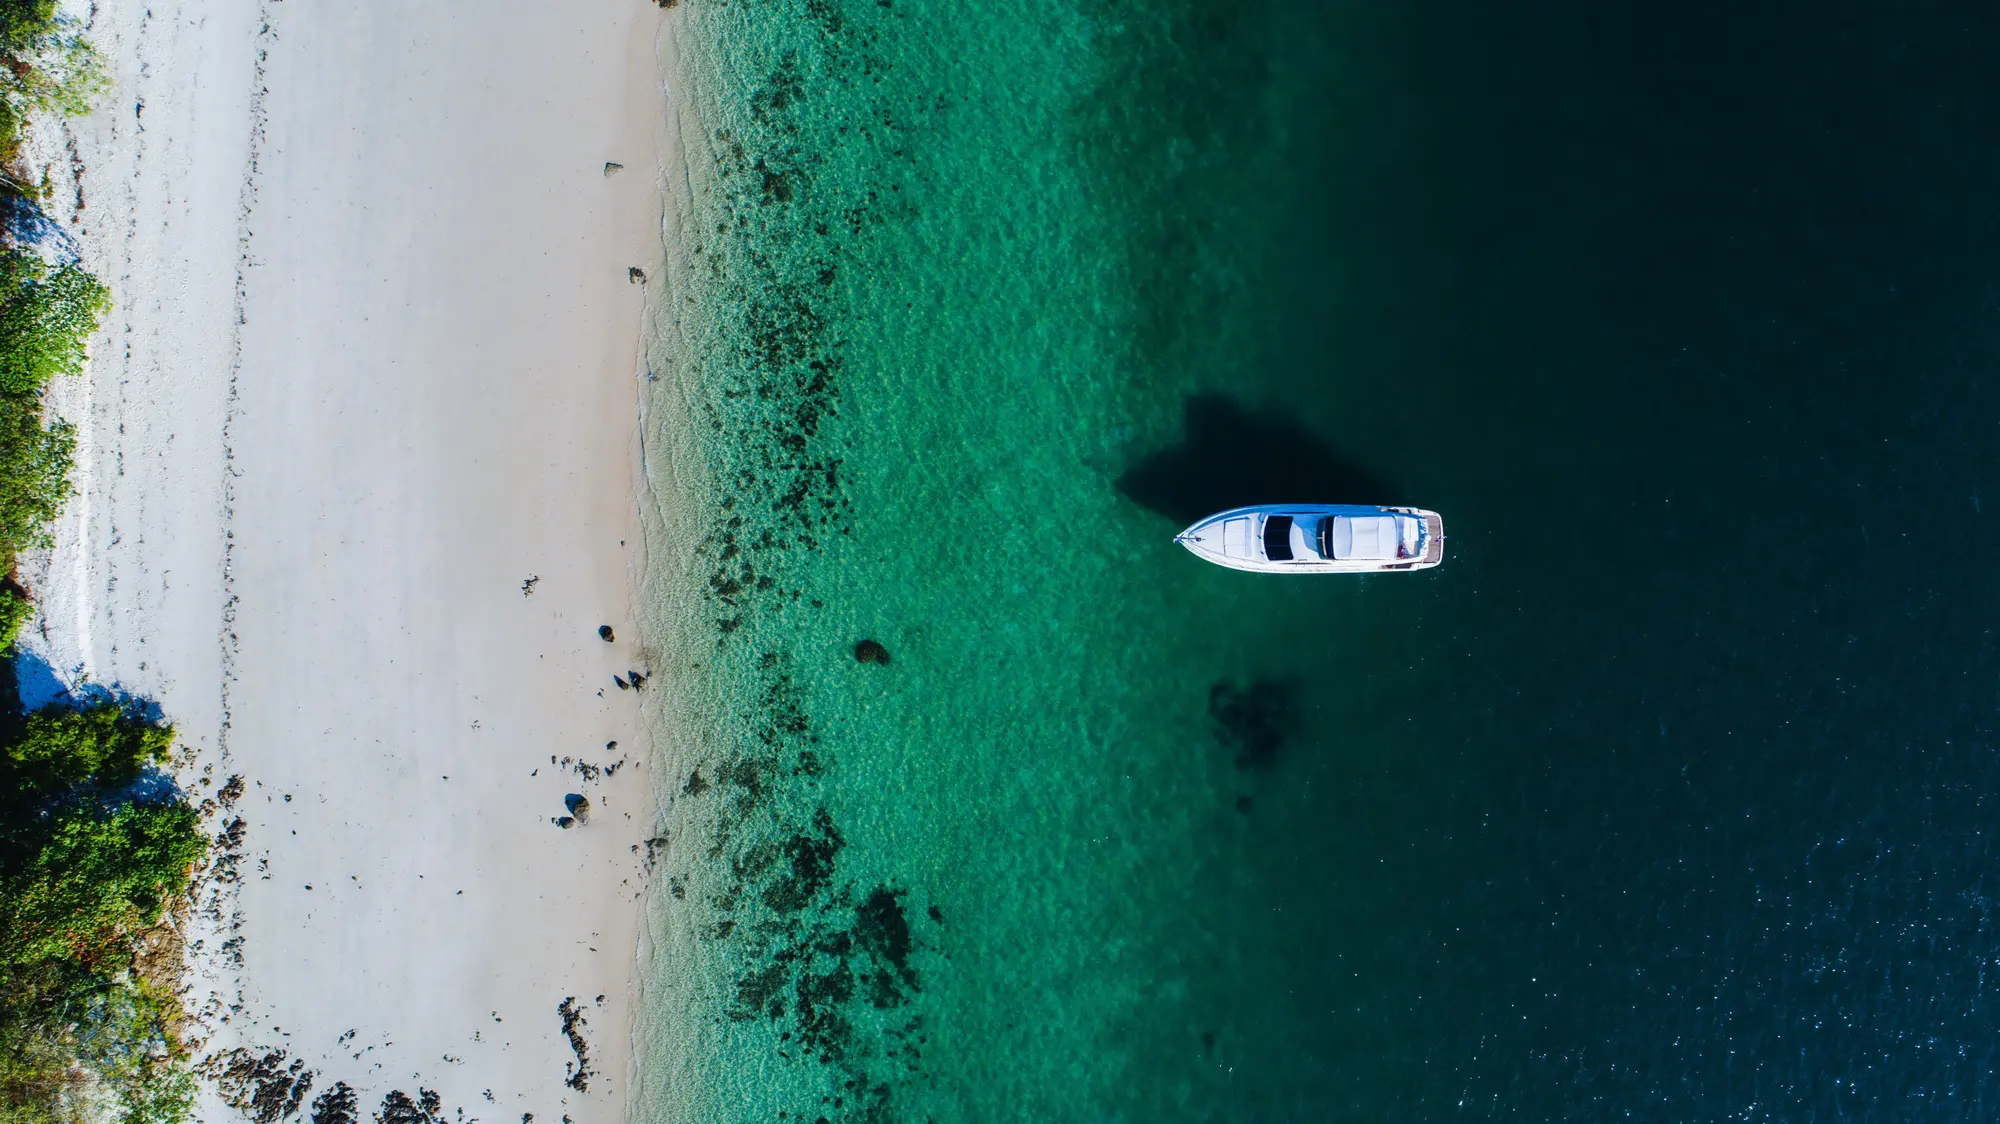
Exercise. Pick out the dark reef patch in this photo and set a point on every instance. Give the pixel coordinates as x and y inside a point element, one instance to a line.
<point>881,928</point>
<point>831,961</point>
<point>833,965</point>
<point>1255,721</point>
<point>809,858</point>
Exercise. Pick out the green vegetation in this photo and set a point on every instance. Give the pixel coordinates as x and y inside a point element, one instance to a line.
<point>87,869</point>
<point>94,852</point>
<point>15,609</point>
<point>47,314</point>
<point>45,66</point>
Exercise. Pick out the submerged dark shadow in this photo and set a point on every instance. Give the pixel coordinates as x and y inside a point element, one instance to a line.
<point>1254,721</point>
<point>1230,457</point>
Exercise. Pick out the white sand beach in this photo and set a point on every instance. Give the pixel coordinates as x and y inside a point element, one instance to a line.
<point>356,489</point>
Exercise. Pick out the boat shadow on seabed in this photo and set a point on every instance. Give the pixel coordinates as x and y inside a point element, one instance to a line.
<point>1230,457</point>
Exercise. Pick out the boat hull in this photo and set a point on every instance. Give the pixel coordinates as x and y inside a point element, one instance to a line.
<point>1230,538</point>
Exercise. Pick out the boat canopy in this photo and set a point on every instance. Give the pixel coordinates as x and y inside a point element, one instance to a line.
<point>1363,537</point>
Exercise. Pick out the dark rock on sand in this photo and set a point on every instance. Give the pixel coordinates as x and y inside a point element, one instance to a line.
<point>337,1105</point>
<point>871,651</point>
<point>622,685</point>
<point>637,679</point>
<point>565,823</point>
<point>605,634</point>
<point>578,806</point>
<point>636,275</point>
<point>263,1087</point>
<point>398,1108</point>
<point>578,1073</point>
<point>612,168</point>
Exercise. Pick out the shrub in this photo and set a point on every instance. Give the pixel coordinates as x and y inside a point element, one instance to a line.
<point>24,17</point>
<point>49,65</point>
<point>84,868</point>
<point>47,315</point>
<point>108,1049</point>
<point>95,879</point>
<point>34,478</point>
<point>85,865</point>
<point>102,745</point>
<point>15,612</point>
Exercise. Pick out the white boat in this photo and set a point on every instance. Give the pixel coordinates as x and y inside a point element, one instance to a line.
<point>1319,538</point>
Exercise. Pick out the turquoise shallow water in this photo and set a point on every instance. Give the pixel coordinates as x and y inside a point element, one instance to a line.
<point>1668,795</point>
<point>973,882</point>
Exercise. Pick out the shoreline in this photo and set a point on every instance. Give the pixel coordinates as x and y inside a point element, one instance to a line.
<point>358,480</point>
<point>669,466</point>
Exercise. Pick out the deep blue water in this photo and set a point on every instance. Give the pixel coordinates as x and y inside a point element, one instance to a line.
<point>1689,320</point>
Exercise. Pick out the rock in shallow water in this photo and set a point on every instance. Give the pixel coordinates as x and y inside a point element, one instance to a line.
<point>871,651</point>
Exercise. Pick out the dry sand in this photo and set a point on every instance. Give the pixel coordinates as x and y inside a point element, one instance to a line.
<point>357,481</point>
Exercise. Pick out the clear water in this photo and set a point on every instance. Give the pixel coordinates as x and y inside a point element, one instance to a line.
<point>1666,795</point>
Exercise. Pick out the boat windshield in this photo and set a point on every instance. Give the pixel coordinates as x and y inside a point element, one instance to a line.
<point>1278,538</point>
